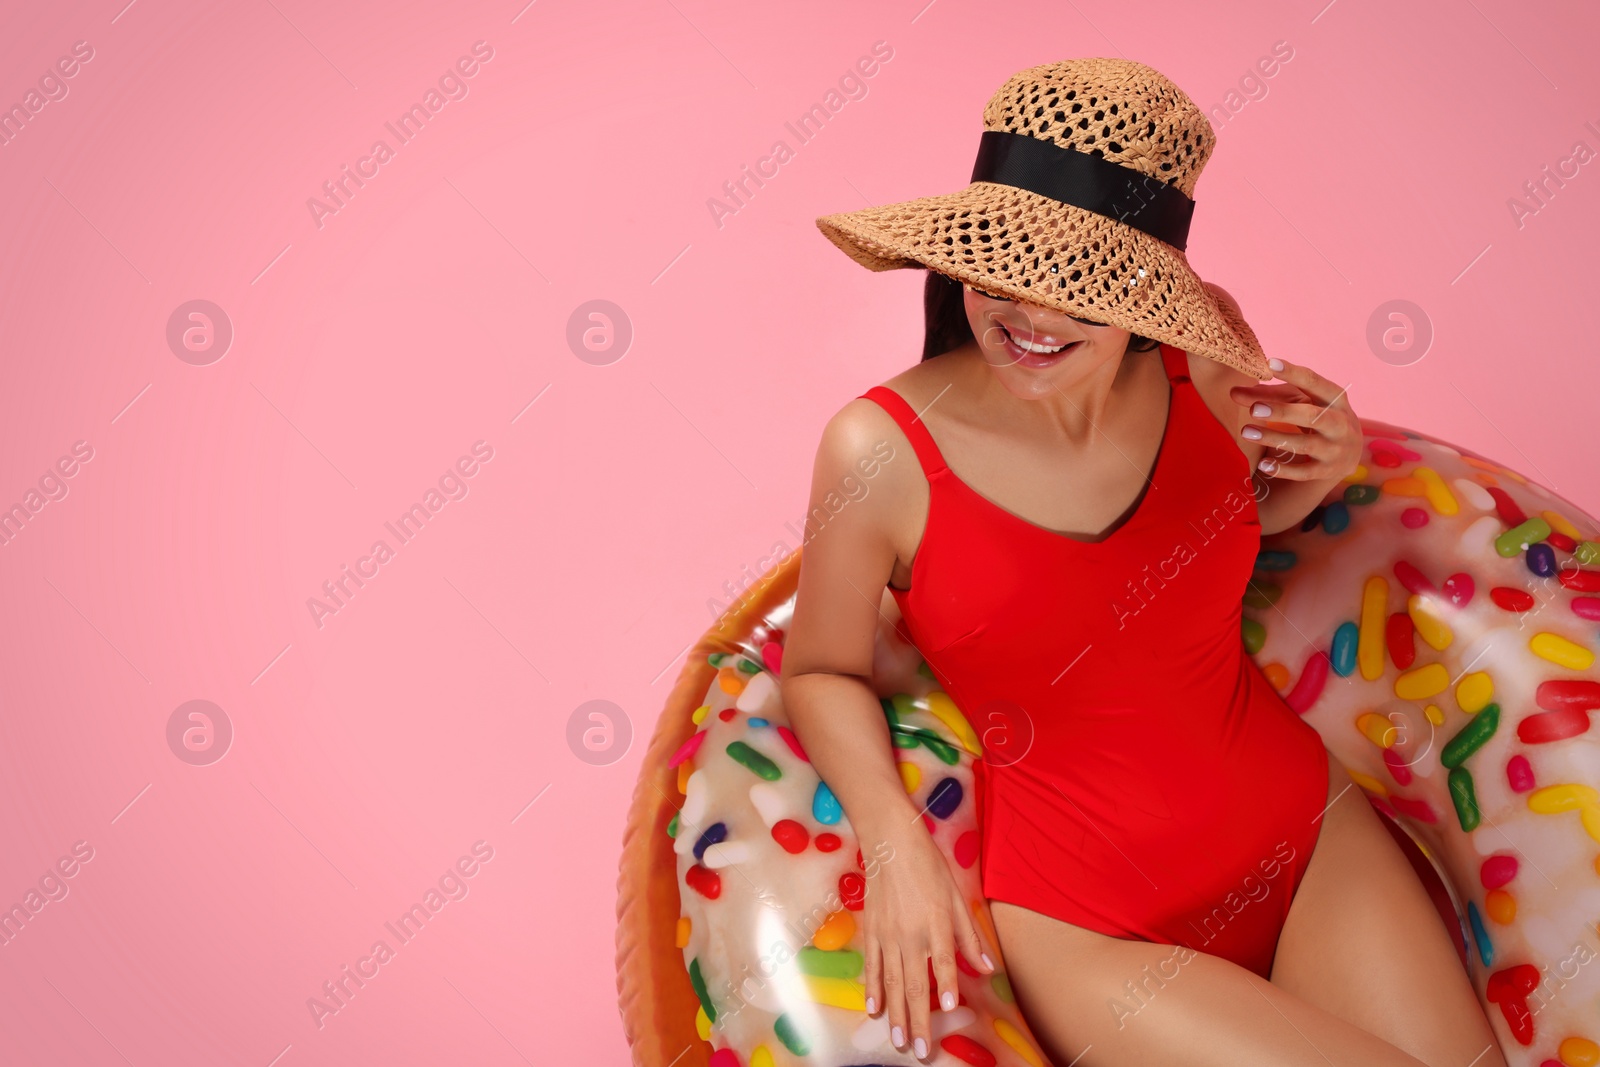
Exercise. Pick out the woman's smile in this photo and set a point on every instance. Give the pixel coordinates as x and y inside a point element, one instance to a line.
<point>1036,350</point>
<point>1039,343</point>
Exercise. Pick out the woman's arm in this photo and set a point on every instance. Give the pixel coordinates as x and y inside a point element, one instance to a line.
<point>914,917</point>
<point>1288,502</point>
<point>1312,443</point>
<point>1318,445</point>
<point>826,681</point>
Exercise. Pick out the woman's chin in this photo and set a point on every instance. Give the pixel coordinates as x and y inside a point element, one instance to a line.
<point>1026,381</point>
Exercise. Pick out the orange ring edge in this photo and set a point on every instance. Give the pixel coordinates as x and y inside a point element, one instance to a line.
<point>653,993</point>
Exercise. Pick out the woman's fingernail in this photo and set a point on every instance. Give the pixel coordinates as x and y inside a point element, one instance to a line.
<point>1252,433</point>
<point>947,1000</point>
<point>987,962</point>
<point>1275,364</point>
<point>897,1035</point>
<point>872,1006</point>
<point>1260,410</point>
<point>922,1048</point>
<point>1268,465</point>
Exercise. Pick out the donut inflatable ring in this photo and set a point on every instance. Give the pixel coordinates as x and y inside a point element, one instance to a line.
<point>1434,619</point>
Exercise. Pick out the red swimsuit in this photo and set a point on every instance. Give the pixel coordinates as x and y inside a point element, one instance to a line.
<point>1141,776</point>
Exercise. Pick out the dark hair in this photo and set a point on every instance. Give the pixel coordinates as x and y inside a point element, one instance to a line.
<point>945,319</point>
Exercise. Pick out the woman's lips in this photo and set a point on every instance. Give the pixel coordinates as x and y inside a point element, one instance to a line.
<point>1025,358</point>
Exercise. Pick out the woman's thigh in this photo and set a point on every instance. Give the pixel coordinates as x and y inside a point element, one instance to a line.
<point>1364,942</point>
<point>1099,1001</point>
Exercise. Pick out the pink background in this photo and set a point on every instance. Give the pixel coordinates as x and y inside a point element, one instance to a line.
<point>371,752</point>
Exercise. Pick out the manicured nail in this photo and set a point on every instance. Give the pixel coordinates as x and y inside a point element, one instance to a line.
<point>1261,410</point>
<point>1251,433</point>
<point>1268,465</point>
<point>1275,364</point>
<point>987,962</point>
<point>947,1000</point>
<point>897,1035</point>
<point>872,1006</point>
<point>921,1046</point>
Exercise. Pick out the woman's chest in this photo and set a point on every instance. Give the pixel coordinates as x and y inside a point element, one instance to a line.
<point>988,579</point>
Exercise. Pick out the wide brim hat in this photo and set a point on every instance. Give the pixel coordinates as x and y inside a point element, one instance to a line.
<point>1080,200</point>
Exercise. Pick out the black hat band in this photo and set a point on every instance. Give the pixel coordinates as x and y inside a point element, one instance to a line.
<point>1092,183</point>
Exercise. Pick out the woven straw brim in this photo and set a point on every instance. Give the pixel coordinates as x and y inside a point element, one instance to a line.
<point>1019,244</point>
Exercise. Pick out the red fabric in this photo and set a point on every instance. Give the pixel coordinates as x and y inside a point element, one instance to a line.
<point>1141,777</point>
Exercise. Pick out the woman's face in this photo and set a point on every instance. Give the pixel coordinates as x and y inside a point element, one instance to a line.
<point>1035,350</point>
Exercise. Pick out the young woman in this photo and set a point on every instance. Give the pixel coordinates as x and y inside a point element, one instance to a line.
<point>1177,869</point>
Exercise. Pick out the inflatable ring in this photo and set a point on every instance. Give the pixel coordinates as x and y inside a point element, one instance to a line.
<point>1434,619</point>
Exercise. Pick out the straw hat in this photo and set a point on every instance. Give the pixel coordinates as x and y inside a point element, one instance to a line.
<point>1080,200</point>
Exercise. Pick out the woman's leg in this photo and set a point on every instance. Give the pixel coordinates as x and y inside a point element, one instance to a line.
<point>1365,975</point>
<point>1364,942</point>
<point>1073,986</point>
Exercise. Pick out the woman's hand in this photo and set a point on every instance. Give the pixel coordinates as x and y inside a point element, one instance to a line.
<point>913,914</point>
<point>1327,446</point>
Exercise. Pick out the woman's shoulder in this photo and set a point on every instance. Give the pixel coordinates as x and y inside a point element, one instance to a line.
<point>919,383</point>
<point>853,430</point>
<point>862,419</point>
<point>1215,383</point>
<point>862,440</point>
<point>863,430</point>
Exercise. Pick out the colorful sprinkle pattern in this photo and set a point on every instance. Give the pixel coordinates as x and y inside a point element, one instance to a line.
<point>1428,620</point>
<point>1448,602</point>
<point>768,866</point>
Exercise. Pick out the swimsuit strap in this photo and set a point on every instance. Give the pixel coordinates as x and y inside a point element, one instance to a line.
<point>911,425</point>
<point>1176,361</point>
